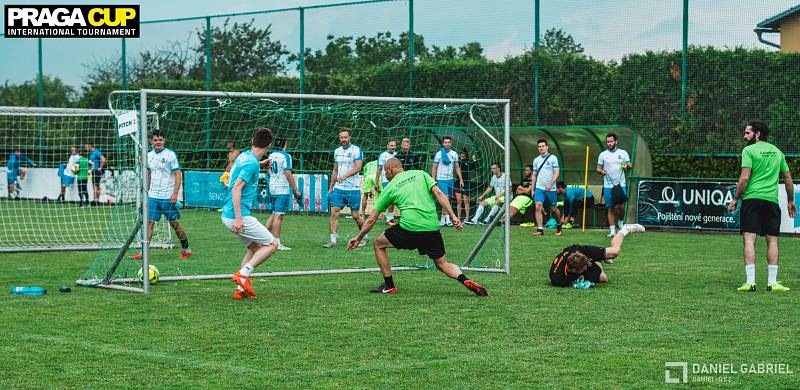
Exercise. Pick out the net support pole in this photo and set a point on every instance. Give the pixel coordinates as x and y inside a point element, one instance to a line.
<point>507,203</point>
<point>143,194</point>
<point>485,236</point>
<point>585,189</point>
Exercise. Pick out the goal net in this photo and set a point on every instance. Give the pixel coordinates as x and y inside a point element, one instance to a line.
<point>199,126</point>
<point>44,205</point>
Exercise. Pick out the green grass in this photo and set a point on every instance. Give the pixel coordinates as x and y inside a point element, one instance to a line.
<point>672,297</point>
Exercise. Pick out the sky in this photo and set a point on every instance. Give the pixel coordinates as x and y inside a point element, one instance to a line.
<point>607,29</point>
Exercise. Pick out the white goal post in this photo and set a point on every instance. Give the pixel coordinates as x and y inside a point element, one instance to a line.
<point>499,135</point>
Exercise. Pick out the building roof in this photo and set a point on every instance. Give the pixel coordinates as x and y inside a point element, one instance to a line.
<point>775,21</point>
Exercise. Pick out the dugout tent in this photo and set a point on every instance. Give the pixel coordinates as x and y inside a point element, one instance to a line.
<point>569,144</point>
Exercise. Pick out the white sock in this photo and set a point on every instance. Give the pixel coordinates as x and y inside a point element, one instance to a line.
<point>447,218</point>
<point>772,274</point>
<point>613,230</point>
<point>333,238</point>
<point>441,219</point>
<point>750,272</point>
<point>277,241</point>
<point>478,213</point>
<point>247,270</point>
<point>390,216</point>
<point>492,213</point>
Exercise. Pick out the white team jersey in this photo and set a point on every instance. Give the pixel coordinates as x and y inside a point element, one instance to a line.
<point>384,157</point>
<point>162,166</point>
<point>499,183</point>
<point>345,159</point>
<point>545,175</point>
<point>73,159</point>
<point>445,172</point>
<point>278,183</point>
<point>612,162</point>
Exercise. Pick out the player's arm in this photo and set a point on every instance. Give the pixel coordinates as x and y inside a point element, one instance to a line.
<point>334,177</point>
<point>556,172</point>
<point>365,228</point>
<point>236,199</point>
<point>458,174</point>
<point>483,195</point>
<point>29,161</point>
<point>744,178</point>
<point>102,162</point>
<point>356,169</point>
<point>787,181</point>
<point>290,179</point>
<point>533,183</point>
<point>378,177</point>
<point>178,181</point>
<point>91,165</point>
<point>444,201</point>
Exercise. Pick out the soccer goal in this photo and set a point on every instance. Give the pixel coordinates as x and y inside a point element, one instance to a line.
<point>199,126</point>
<point>40,204</point>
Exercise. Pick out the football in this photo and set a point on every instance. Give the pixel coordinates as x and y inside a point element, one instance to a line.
<point>75,168</point>
<point>154,274</point>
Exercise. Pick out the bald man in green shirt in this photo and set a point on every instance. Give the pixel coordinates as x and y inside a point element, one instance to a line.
<point>762,165</point>
<point>413,192</point>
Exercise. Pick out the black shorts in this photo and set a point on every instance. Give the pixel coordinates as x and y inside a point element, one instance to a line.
<point>761,217</point>
<point>426,243</point>
<point>96,176</point>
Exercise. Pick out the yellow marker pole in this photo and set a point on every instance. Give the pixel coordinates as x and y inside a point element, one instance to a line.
<point>585,189</point>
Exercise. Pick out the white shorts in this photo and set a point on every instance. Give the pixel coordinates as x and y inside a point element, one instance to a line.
<point>253,231</point>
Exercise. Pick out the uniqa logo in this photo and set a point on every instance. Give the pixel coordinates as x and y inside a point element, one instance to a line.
<point>702,197</point>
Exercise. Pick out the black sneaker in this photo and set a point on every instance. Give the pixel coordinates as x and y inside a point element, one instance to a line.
<point>382,289</point>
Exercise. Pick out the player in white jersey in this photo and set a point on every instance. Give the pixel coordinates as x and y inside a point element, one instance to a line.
<point>498,183</point>
<point>445,167</point>
<point>344,188</point>
<point>380,176</point>
<point>612,164</point>
<point>544,178</point>
<point>281,186</point>
<point>164,178</point>
<point>68,177</point>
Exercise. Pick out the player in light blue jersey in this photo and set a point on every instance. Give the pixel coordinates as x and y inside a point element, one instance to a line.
<point>15,173</point>
<point>281,182</point>
<point>612,163</point>
<point>236,214</point>
<point>345,185</point>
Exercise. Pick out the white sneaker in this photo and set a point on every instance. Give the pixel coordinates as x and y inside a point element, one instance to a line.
<point>330,244</point>
<point>283,248</point>
<point>634,228</point>
<point>363,243</point>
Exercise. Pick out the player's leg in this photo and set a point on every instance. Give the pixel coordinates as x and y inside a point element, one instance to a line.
<point>479,212</point>
<point>771,217</point>
<point>96,186</point>
<point>336,202</point>
<point>616,243</point>
<point>556,212</point>
<point>277,224</point>
<point>172,215</point>
<point>619,215</point>
<point>496,202</point>
<point>612,219</point>
<point>465,196</point>
<point>382,257</point>
<point>453,272</point>
<point>354,201</point>
<point>260,244</point>
<point>458,203</point>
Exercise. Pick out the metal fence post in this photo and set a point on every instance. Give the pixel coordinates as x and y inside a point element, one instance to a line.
<point>536,63</point>
<point>208,88</point>
<point>40,102</point>
<point>123,62</point>
<point>302,78</point>
<point>683,56</point>
<point>410,48</point>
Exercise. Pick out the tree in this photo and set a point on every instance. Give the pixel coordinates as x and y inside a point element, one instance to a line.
<point>558,41</point>
<point>56,93</point>
<point>241,52</point>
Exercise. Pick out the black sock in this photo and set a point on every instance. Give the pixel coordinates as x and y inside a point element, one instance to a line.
<point>185,243</point>
<point>461,278</point>
<point>387,280</point>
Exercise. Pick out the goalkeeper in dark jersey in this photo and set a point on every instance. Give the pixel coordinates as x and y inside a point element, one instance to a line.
<point>581,263</point>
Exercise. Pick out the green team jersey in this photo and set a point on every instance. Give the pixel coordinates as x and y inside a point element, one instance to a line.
<point>83,173</point>
<point>766,162</point>
<point>368,176</point>
<point>410,191</point>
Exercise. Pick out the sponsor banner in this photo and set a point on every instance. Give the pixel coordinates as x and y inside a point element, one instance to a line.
<point>72,21</point>
<point>690,205</point>
<point>203,189</point>
<point>700,205</point>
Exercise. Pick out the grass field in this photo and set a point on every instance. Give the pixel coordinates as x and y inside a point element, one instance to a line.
<point>672,297</point>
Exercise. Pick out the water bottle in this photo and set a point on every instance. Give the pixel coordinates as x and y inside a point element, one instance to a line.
<point>32,290</point>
